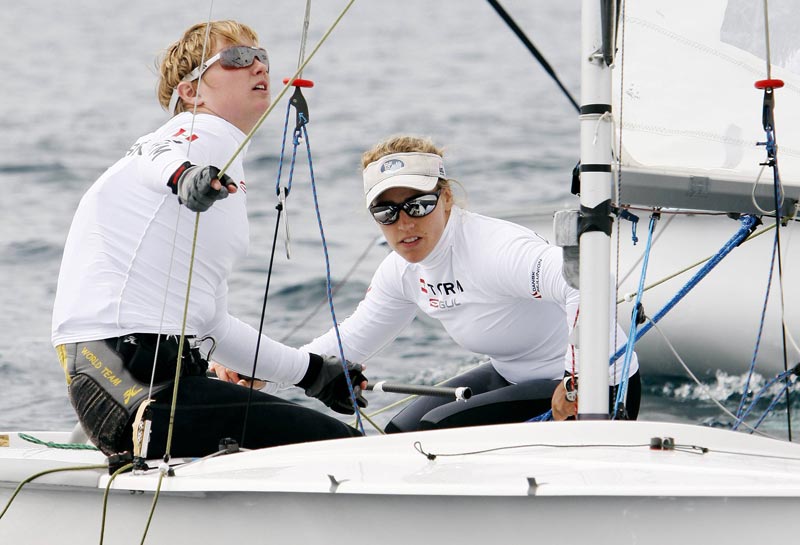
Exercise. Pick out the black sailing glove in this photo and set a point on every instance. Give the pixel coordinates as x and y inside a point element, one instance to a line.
<point>192,184</point>
<point>325,380</point>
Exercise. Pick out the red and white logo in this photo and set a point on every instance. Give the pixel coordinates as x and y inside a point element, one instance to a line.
<point>182,132</point>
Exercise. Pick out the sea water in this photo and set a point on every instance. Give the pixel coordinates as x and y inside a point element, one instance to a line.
<point>79,88</point>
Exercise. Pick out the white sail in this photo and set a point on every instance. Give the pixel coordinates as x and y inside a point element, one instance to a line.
<point>690,113</point>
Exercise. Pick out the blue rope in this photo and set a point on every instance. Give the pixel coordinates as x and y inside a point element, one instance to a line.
<point>771,406</point>
<point>283,149</point>
<point>747,223</point>
<point>299,130</point>
<point>622,390</point>
<point>295,143</point>
<point>758,336</point>
<point>634,219</point>
<point>542,417</point>
<point>328,283</point>
<point>772,161</point>
<point>781,376</point>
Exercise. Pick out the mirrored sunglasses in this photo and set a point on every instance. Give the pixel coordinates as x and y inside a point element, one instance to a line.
<point>238,56</point>
<point>416,207</point>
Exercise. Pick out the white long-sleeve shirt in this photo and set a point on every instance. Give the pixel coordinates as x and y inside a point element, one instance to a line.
<point>123,257</point>
<point>496,287</point>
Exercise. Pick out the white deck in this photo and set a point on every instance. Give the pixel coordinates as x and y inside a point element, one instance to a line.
<point>384,480</point>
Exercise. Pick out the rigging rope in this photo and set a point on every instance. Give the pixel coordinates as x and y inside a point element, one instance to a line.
<point>114,475</point>
<point>750,372</point>
<point>629,296</point>
<point>286,86</point>
<point>184,319</point>
<point>260,326</point>
<point>281,208</point>
<point>203,56</point>
<point>42,473</point>
<point>532,48</point>
<point>636,319</point>
<point>697,381</point>
<point>304,38</point>
<point>748,223</point>
<point>328,286</point>
<point>51,444</point>
<point>300,133</point>
<point>785,376</point>
<point>768,122</point>
<point>139,461</point>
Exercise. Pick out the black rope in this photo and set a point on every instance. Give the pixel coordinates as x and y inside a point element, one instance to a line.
<point>432,456</point>
<point>532,48</point>
<point>279,207</point>
<point>655,444</point>
<point>768,123</point>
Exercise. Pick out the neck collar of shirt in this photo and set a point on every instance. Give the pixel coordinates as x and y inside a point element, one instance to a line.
<point>441,250</point>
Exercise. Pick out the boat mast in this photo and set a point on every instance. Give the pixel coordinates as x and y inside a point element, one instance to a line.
<point>595,222</point>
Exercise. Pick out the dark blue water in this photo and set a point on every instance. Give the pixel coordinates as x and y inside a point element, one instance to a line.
<point>79,89</point>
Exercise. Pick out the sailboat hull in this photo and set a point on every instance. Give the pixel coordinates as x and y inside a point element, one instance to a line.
<point>515,482</point>
<point>343,519</point>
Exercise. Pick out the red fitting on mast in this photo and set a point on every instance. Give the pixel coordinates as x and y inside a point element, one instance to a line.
<point>308,83</point>
<point>769,84</point>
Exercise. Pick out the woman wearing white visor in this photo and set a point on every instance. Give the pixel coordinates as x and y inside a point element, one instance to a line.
<point>496,287</point>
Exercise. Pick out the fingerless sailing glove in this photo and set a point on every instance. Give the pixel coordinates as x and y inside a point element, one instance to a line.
<point>326,381</point>
<point>192,184</point>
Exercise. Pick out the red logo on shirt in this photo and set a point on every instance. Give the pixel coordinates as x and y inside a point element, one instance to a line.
<point>190,138</point>
<point>445,289</point>
<point>243,186</point>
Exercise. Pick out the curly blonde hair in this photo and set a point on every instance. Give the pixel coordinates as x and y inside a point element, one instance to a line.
<point>400,144</point>
<point>185,55</point>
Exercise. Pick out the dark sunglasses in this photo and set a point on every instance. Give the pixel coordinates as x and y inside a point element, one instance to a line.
<point>416,207</point>
<point>238,56</point>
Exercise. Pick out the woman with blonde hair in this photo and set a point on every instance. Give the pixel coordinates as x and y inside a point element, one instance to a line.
<point>496,287</point>
<point>119,307</point>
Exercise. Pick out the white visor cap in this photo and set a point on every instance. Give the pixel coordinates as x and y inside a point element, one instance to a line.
<point>420,171</point>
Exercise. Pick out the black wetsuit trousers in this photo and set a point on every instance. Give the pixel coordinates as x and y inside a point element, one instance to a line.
<point>207,410</point>
<point>494,401</point>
